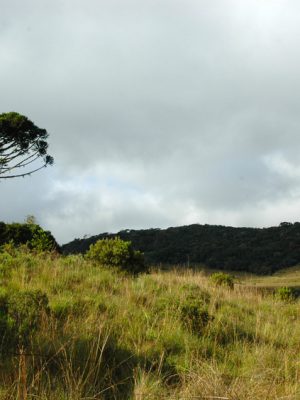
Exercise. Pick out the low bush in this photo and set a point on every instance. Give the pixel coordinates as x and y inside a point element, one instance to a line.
<point>41,240</point>
<point>117,253</point>
<point>222,279</point>
<point>193,291</point>
<point>4,323</point>
<point>285,294</point>
<point>6,264</point>
<point>194,316</point>
<point>20,317</point>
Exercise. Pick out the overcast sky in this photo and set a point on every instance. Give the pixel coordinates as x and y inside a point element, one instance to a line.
<point>159,112</point>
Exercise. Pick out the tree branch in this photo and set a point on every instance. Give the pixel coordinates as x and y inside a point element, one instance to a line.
<point>22,175</point>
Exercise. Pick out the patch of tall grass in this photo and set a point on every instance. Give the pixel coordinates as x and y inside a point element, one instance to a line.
<point>163,335</point>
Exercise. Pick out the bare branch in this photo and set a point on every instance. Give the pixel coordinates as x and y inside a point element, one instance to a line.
<point>22,175</point>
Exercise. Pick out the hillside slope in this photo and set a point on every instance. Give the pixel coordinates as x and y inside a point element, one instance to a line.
<point>91,332</point>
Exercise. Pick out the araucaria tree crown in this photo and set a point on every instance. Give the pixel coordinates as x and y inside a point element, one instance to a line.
<point>23,146</point>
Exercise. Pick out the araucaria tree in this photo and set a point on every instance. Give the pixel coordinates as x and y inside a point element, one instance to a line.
<point>23,146</point>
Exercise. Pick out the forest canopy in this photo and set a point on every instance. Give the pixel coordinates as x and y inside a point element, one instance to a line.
<point>30,234</point>
<point>259,250</point>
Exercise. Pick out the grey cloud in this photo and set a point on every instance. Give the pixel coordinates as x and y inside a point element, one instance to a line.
<point>178,102</point>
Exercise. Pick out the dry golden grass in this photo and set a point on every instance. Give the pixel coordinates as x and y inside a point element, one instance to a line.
<point>113,336</point>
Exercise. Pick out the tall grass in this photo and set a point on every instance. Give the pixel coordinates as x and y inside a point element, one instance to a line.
<point>109,335</point>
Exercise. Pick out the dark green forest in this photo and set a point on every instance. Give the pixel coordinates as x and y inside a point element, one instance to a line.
<point>258,250</point>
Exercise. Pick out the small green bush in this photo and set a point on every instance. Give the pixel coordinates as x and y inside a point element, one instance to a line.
<point>3,316</point>
<point>24,312</point>
<point>20,316</point>
<point>117,253</point>
<point>285,294</point>
<point>6,265</point>
<point>222,279</point>
<point>194,316</point>
<point>8,249</point>
<point>195,292</point>
<point>41,240</point>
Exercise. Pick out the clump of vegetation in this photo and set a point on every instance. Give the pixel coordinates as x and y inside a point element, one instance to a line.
<point>41,240</point>
<point>222,279</point>
<point>4,325</point>
<point>28,233</point>
<point>21,314</point>
<point>194,316</point>
<point>117,253</point>
<point>285,294</point>
<point>196,292</point>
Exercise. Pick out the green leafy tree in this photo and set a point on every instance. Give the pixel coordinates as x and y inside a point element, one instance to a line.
<point>23,146</point>
<point>30,234</point>
<point>117,253</point>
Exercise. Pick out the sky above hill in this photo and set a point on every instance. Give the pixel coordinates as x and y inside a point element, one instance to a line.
<point>160,112</point>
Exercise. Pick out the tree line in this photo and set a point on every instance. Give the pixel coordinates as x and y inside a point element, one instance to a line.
<point>30,234</point>
<point>258,250</point>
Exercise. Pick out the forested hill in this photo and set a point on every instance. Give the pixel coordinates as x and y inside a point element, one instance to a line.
<point>260,250</point>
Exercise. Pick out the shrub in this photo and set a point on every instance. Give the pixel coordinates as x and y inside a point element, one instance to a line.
<point>117,253</point>
<point>24,312</point>
<point>20,316</point>
<point>194,316</point>
<point>195,292</point>
<point>41,240</point>
<point>3,317</point>
<point>285,294</point>
<point>14,258</point>
<point>222,279</point>
<point>8,250</point>
<point>6,265</point>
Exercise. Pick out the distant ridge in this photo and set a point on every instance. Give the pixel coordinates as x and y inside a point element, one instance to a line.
<point>259,250</point>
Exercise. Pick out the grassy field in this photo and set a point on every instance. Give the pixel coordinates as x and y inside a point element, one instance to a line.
<point>287,277</point>
<point>164,335</point>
